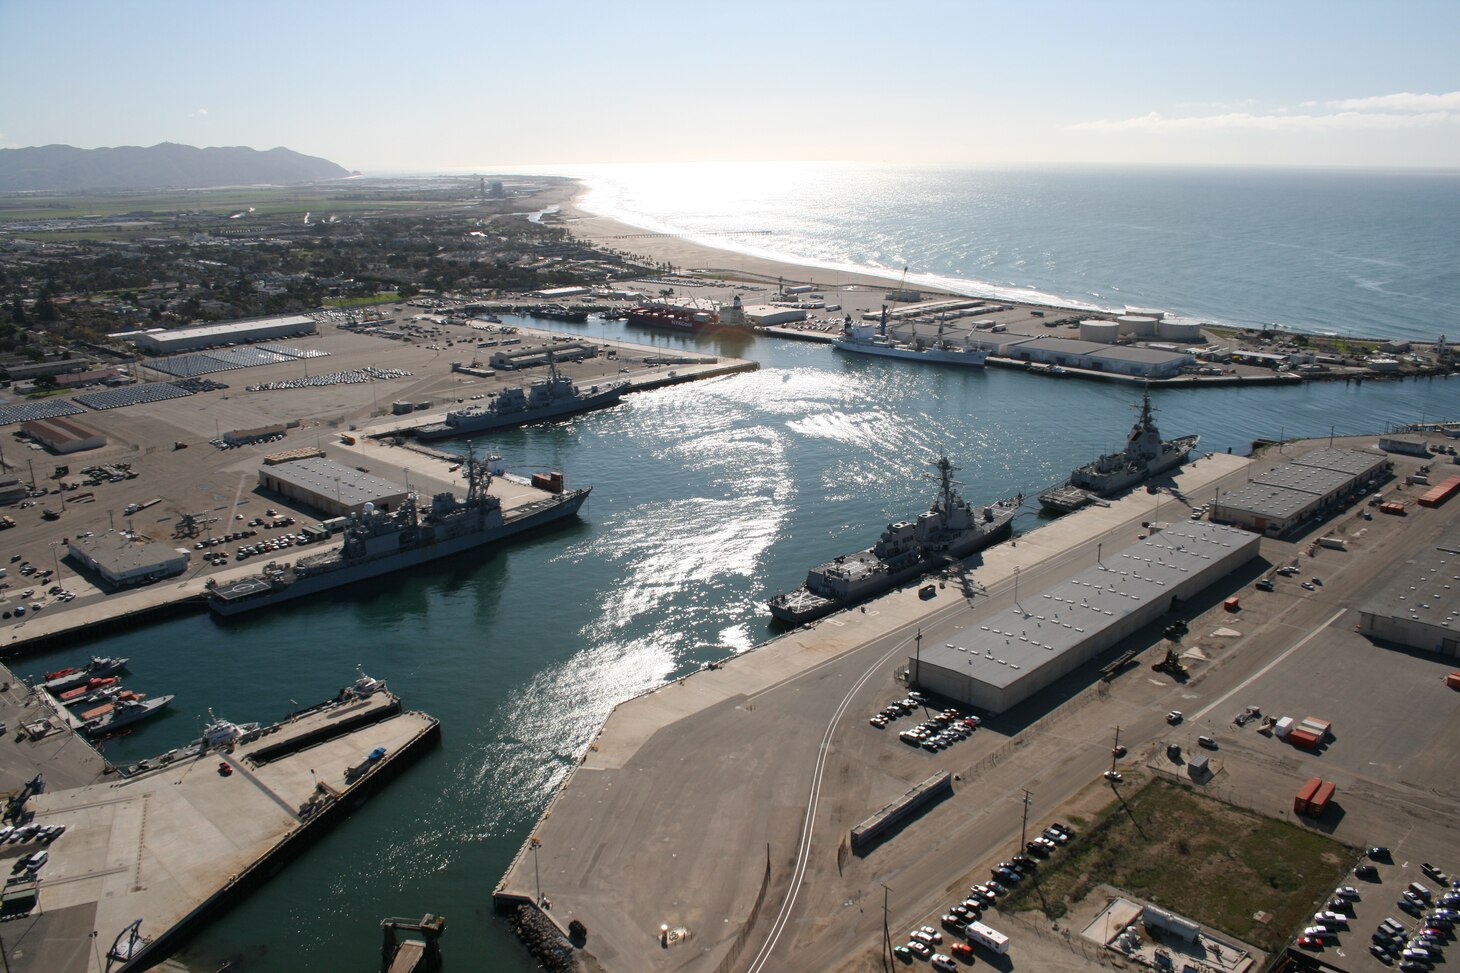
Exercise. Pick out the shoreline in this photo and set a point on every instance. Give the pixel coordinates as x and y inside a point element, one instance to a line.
<point>692,256</point>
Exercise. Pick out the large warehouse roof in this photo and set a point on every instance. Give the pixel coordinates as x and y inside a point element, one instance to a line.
<point>1352,461</point>
<point>327,478</point>
<point>1005,647</point>
<point>1426,588</point>
<point>1267,500</point>
<point>235,328</point>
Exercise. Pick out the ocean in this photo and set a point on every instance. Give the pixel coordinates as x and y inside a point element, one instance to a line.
<point>708,499</point>
<point>1349,252</point>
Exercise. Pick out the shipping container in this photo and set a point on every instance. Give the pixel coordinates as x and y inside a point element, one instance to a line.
<point>1305,795</point>
<point>1232,604</point>
<point>551,482</point>
<point>1392,507</point>
<point>1453,680</point>
<point>1319,728</point>
<point>1319,804</point>
<point>1283,727</point>
<point>1333,543</point>
<point>1441,493</point>
<point>1304,738</point>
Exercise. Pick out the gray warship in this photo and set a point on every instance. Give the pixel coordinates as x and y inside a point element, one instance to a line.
<point>949,530</point>
<point>549,398</point>
<point>1145,455</point>
<point>377,542</point>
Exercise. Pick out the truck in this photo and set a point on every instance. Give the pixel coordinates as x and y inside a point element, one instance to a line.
<point>987,937</point>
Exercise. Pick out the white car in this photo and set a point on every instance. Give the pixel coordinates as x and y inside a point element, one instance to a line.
<point>1174,717</point>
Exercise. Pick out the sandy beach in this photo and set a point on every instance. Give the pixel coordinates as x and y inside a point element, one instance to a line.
<point>863,291</point>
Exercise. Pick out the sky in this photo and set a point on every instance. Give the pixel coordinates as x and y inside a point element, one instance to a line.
<point>440,85</point>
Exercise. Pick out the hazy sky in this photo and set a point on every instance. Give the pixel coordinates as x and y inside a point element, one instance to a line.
<point>440,84</point>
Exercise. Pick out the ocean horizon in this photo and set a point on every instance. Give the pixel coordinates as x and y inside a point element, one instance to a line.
<point>1327,251</point>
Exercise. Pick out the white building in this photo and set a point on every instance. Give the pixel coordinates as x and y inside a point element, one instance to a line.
<point>1012,653</point>
<point>213,335</point>
<point>124,559</point>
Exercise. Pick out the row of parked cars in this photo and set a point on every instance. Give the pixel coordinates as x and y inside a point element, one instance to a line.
<point>935,733</point>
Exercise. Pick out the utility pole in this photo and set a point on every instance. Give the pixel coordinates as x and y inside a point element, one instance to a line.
<point>887,955</point>
<point>918,655</point>
<point>1115,750</point>
<point>1024,826</point>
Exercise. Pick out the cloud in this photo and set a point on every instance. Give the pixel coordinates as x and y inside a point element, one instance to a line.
<point>1402,102</point>
<point>196,112</point>
<point>1308,122</point>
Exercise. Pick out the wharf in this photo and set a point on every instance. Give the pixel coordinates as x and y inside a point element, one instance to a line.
<point>687,809</point>
<point>175,844</point>
<point>188,592</point>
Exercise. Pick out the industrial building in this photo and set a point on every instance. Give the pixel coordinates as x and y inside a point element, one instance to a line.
<point>331,488</point>
<point>1099,357</point>
<point>1297,492</point>
<point>1419,605</point>
<point>61,435</point>
<point>123,559</point>
<point>762,315</point>
<point>1013,653</point>
<point>213,335</point>
<point>533,356</point>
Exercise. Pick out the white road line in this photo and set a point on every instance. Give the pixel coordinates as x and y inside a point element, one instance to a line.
<point>803,855</point>
<point>1265,669</point>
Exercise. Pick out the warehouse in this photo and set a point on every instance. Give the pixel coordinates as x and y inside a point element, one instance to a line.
<point>531,357</point>
<point>1309,487</point>
<point>1099,357</point>
<point>124,560</point>
<point>61,435</point>
<point>213,335</point>
<point>1014,652</point>
<point>1419,606</point>
<point>330,488</point>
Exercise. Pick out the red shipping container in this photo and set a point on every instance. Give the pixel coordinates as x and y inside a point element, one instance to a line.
<point>1441,493</point>
<point>1319,804</point>
<point>1392,508</point>
<point>1304,739</point>
<point>1232,604</point>
<point>1453,680</point>
<point>1301,801</point>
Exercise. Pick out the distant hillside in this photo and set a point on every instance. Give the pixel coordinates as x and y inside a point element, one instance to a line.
<point>167,165</point>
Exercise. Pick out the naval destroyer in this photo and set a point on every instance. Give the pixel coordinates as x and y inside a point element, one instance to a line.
<point>949,530</point>
<point>1145,455</point>
<point>547,399</point>
<point>868,339</point>
<point>377,542</point>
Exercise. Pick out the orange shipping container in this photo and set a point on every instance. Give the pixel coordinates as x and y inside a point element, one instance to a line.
<point>1453,680</point>
<point>1441,493</point>
<point>1319,804</point>
<point>1304,796</point>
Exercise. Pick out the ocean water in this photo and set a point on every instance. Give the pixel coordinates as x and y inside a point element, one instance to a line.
<point>708,499</point>
<point>1340,251</point>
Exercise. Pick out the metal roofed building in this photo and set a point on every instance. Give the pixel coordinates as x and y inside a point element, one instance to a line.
<point>1419,607</point>
<point>128,559</point>
<point>62,435</point>
<point>1013,653</point>
<point>329,487</point>
<point>1099,357</point>
<point>1306,487</point>
<point>213,335</point>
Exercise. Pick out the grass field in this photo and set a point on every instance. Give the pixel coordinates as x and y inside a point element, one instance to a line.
<point>265,202</point>
<point>1216,864</point>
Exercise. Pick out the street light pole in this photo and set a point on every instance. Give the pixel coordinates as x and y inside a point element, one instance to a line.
<point>886,931</point>
<point>537,875</point>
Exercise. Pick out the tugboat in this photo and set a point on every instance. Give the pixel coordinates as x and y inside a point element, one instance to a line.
<point>1145,455</point>
<point>949,530</point>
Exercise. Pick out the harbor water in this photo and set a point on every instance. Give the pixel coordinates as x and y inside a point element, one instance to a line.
<point>709,498</point>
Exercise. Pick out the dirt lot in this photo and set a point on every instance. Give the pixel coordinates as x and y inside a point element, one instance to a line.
<point>1217,864</point>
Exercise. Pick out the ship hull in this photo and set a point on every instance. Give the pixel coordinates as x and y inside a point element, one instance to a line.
<point>485,423</point>
<point>273,593</point>
<point>785,611</point>
<point>933,356</point>
<point>1106,484</point>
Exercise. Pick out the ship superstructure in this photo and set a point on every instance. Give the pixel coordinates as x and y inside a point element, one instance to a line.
<point>1145,455</point>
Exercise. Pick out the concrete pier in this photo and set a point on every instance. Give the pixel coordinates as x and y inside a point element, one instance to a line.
<point>175,844</point>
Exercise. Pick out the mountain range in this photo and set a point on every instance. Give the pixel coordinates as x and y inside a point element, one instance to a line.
<point>167,165</point>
